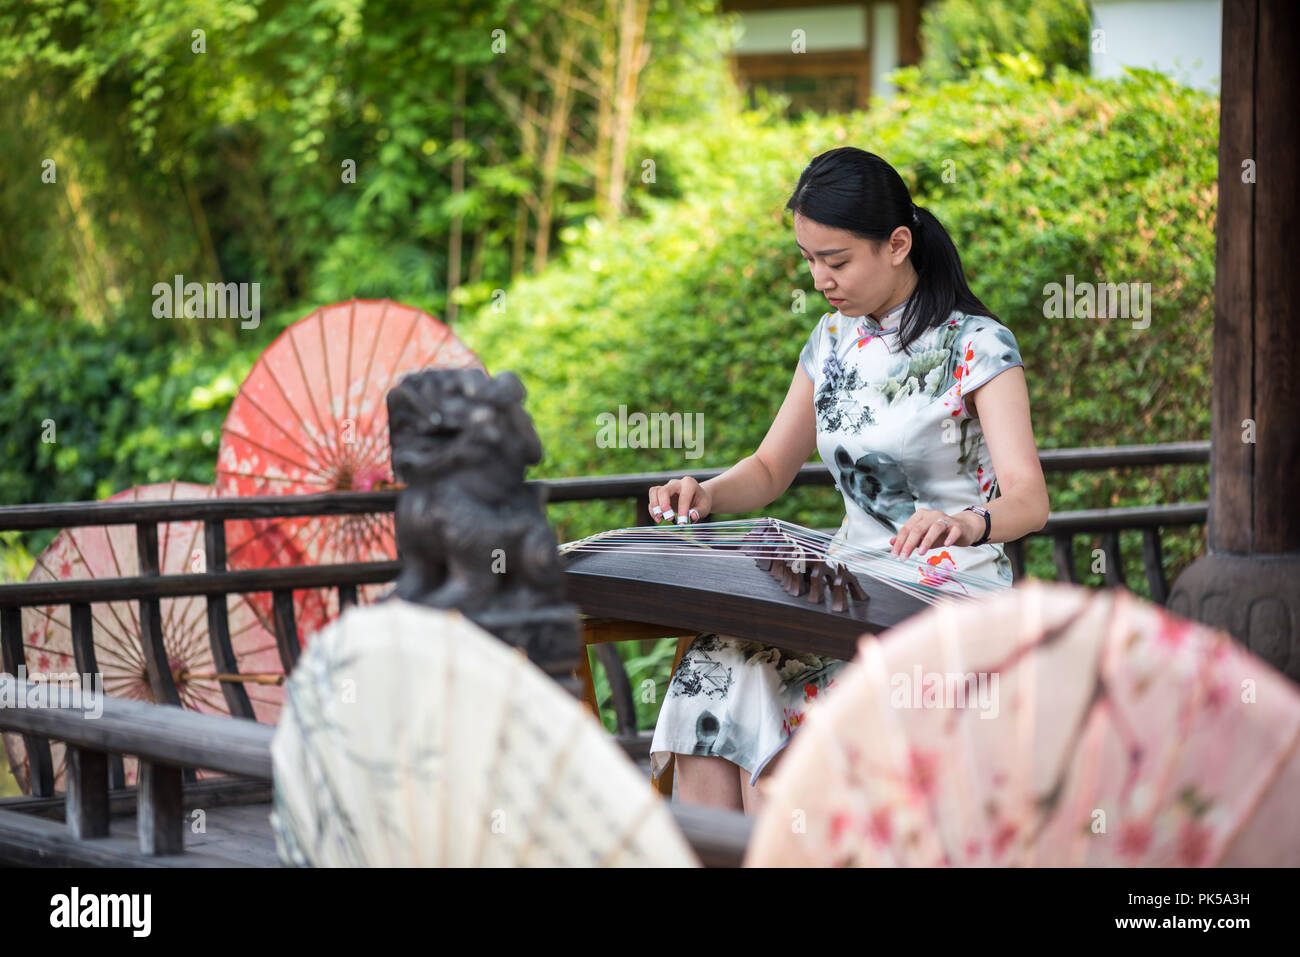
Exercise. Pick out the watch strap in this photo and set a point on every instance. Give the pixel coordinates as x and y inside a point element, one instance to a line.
<point>988,523</point>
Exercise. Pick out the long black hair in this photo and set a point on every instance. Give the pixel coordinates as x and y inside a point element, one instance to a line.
<point>851,189</point>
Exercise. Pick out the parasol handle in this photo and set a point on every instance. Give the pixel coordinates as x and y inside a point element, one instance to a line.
<point>261,679</point>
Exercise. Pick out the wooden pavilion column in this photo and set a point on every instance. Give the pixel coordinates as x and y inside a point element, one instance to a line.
<point>1249,582</point>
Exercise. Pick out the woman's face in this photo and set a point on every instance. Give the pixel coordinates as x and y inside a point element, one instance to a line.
<point>858,277</point>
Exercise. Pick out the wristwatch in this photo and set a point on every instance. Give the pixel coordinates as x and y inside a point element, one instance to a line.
<point>988,523</point>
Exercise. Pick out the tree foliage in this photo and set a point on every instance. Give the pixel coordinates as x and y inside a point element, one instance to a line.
<point>666,280</point>
<point>212,139</point>
<point>960,36</point>
<point>225,164</point>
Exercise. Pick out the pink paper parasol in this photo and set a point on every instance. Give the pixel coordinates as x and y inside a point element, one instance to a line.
<point>312,417</point>
<point>1049,726</point>
<point>110,552</point>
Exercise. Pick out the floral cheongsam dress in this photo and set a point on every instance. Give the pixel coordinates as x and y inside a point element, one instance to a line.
<point>897,434</point>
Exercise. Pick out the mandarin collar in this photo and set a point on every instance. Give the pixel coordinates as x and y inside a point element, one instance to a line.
<point>886,324</point>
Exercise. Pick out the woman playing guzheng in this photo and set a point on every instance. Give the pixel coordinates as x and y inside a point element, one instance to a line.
<point>914,395</point>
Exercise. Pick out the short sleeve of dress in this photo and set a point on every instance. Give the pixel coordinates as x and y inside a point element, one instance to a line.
<point>810,359</point>
<point>988,348</point>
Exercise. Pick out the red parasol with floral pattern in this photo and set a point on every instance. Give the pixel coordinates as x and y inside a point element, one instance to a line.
<point>110,552</point>
<point>312,417</point>
<point>1049,726</point>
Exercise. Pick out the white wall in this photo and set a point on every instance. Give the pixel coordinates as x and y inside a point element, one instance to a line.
<point>1180,38</point>
<point>825,28</point>
<point>884,47</point>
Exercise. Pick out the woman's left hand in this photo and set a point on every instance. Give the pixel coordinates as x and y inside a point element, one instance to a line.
<point>929,527</point>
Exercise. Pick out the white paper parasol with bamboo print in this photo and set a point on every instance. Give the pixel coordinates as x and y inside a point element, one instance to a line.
<point>413,738</point>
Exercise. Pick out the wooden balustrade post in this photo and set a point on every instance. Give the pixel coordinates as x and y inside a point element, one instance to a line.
<point>1063,555</point>
<point>159,817</point>
<point>40,767</point>
<point>151,634</point>
<point>87,784</point>
<point>223,652</point>
<point>83,651</point>
<point>286,628</point>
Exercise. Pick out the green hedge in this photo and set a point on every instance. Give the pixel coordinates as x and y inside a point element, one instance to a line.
<point>959,36</point>
<point>129,406</point>
<point>690,308</point>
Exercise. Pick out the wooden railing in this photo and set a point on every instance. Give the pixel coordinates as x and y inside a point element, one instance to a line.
<point>150,587</point>
<point>217,581</point>
<point>1061,527</point>
<point>167,739</point>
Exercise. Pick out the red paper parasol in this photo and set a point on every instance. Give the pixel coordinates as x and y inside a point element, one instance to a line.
<point>1116,733</point>
<point>110,552</point>
<point>312,417</point>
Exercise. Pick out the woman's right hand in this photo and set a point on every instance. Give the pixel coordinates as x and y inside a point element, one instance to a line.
<point>682,500</point>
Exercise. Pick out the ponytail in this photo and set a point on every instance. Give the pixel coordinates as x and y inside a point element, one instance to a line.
<point>848,188</point>
<point>940,281</point>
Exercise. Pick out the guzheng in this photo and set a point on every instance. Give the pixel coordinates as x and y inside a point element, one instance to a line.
<point>762,579</point>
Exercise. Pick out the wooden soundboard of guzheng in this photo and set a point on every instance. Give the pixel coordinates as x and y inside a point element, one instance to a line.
<point>709,590</point>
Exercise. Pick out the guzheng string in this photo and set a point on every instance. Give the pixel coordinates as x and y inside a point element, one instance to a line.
<point>772,538</point>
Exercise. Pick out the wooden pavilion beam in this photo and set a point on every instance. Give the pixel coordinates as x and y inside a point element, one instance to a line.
<point>1249,581</point>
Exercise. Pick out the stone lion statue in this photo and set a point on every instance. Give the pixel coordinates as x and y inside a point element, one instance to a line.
<point>471,534</point>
